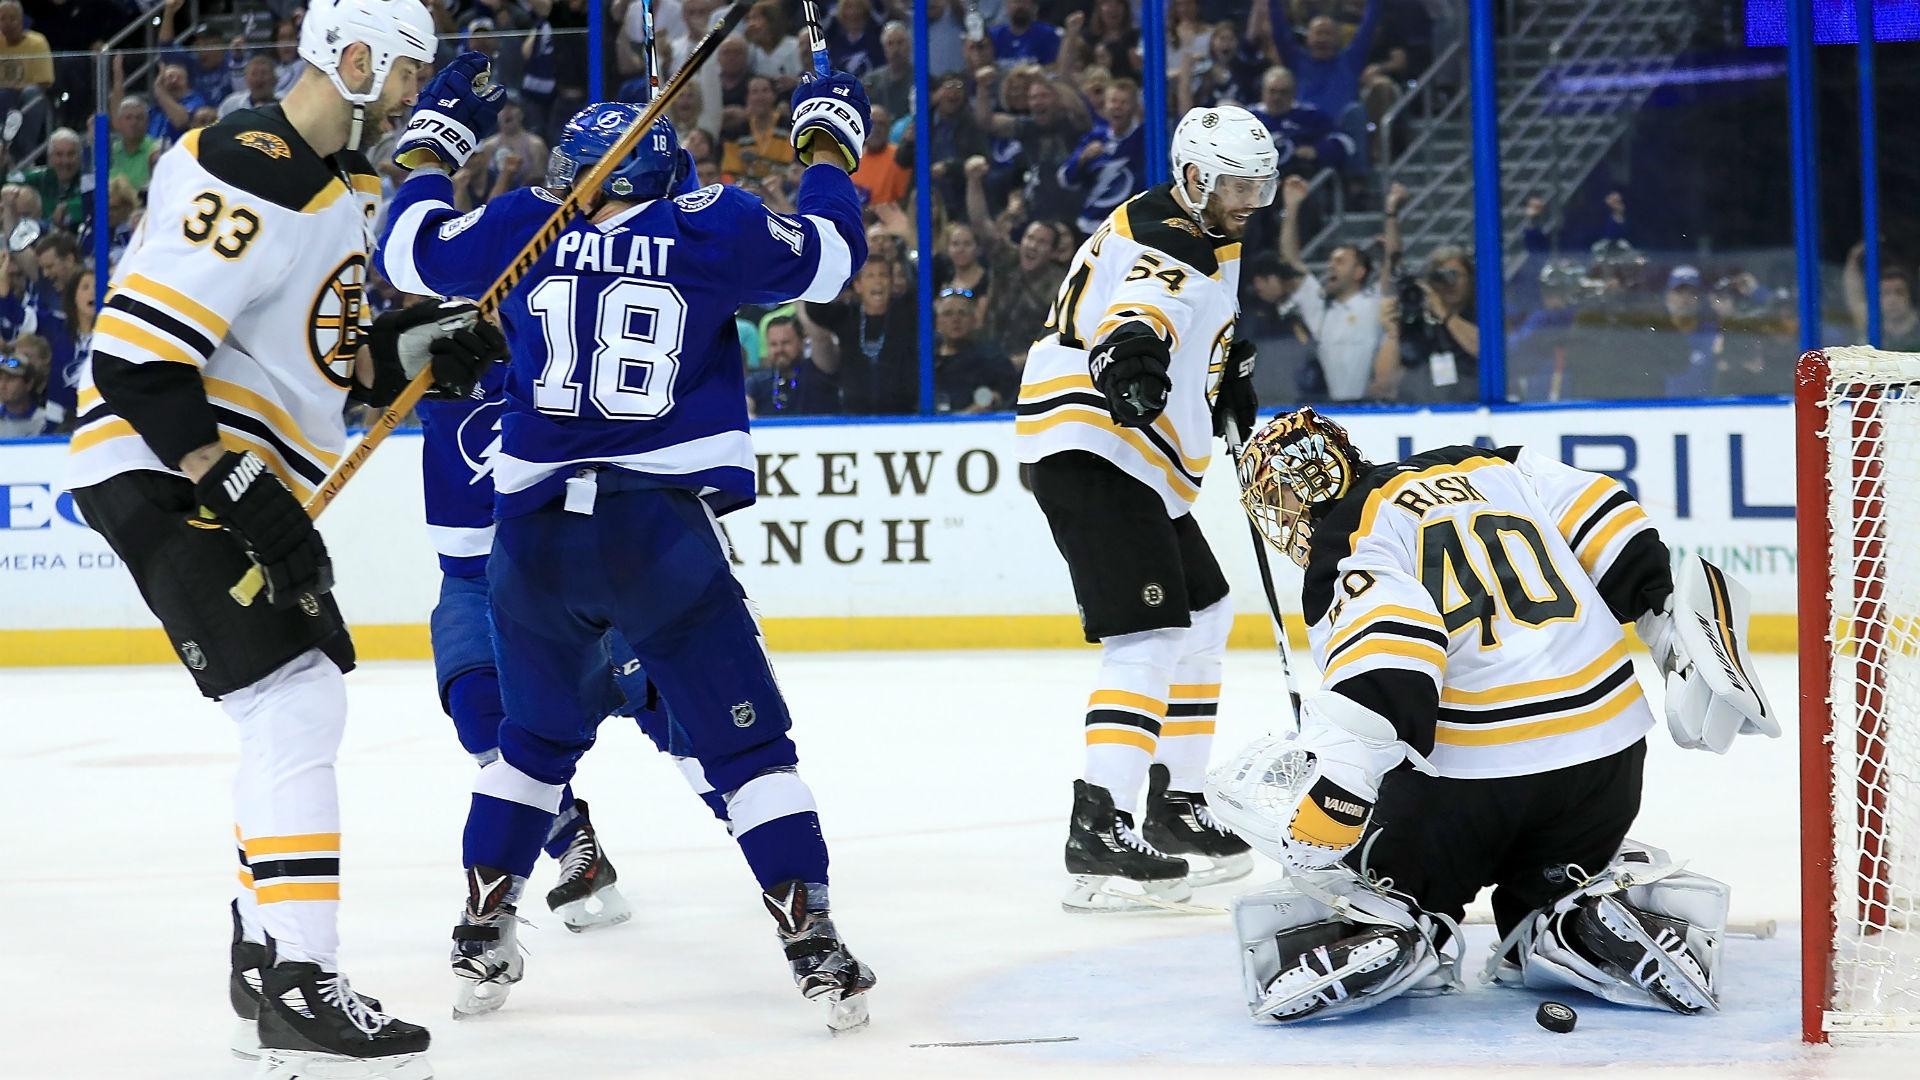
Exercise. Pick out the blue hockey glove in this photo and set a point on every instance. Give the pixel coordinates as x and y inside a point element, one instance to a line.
<point>831,113</point>
<point>459,108</point>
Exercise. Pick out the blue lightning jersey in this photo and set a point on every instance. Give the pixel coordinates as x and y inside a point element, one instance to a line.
<point>622,333</point>
<point>460,440</point>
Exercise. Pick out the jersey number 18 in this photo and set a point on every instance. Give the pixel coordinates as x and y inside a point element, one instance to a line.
<point>635,357</point>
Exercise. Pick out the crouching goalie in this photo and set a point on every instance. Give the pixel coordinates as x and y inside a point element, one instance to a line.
<point>1479,724</point>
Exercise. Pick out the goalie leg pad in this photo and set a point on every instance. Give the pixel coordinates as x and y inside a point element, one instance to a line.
<point>1644,932</point>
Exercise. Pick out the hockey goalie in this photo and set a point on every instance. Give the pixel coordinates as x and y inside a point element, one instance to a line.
<point>1479,725</point>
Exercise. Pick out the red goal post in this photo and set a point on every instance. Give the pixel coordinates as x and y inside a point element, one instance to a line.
<point>1857,440</point>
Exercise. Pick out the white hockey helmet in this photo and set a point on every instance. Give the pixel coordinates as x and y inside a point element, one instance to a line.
<point>390,28</point>
<point>1225,140</point>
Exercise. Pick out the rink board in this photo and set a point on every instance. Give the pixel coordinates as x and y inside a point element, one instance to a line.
<point>916,534</point>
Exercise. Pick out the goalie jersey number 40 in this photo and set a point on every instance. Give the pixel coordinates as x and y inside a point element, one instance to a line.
<point>1460,595</point>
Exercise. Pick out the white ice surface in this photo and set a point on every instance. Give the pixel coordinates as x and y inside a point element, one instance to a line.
<point>943,782</point>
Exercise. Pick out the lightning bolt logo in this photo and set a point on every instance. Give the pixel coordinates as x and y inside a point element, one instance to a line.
<point>481,462</point>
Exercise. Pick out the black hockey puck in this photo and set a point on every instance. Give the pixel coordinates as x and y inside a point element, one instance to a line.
<point>1556,1017</point>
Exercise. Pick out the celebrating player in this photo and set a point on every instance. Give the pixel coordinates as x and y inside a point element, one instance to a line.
<point>1116,414</point>
<point>625,433</point>
<point>1465,606</point>
<point>198,437</point>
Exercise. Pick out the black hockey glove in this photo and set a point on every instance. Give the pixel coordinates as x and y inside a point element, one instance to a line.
<point>243,494</point>
<point>447,334</point>
<point>1130,368</point>
<point>1237,398</point>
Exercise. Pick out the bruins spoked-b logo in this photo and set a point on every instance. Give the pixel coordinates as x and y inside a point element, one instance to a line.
<point>333,326</point>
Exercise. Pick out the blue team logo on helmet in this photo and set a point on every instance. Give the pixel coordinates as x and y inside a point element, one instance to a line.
<point>650,172</point>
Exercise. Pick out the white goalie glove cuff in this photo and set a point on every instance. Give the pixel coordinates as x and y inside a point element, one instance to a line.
<point>1699,642</point>
<point>1305,799</point>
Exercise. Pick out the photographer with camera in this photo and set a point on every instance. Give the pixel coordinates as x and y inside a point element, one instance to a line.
<point>1341,312</point>
<point>1430,345</point>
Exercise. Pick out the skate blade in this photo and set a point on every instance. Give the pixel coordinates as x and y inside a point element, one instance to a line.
<point>1203,871</point>
<point>1095,893</point>
<point>595,912</point>
<point>244,1040</point>
<point>1624,926</point>
<point>847,1014</point>
<point>477,997</point>
<point>302,1065</point>
<point>1275,1003</point>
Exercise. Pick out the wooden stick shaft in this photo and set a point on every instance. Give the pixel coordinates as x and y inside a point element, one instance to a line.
<point>581,195</point>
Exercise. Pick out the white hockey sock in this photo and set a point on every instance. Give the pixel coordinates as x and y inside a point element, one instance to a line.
<point>1194,699</point>
<point>285,802</point>
<point>1125,712</point>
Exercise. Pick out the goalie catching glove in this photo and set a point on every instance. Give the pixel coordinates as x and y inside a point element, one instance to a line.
<point>1699,642</point>
<point>1305,799</point>
<point>831,114</point>
<point>243,494</point>
<point>454,113</point>
<point>447,335</point>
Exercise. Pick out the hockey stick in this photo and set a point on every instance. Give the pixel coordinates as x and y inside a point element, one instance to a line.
<point>581,196</point>
<point>651,63</point>
<point>1236,446</point>
<point>810,10</point>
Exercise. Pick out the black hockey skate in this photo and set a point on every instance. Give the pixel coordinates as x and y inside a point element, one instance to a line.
<point>1113,868</point>
<point>1340,961</point>
<point>486,944</point>
<point>1646,949</point>
<point>314,1027</point>
<point>585,898</point>
<point>823,969</point>
<point>1179,823</point>
<point>247,958</point>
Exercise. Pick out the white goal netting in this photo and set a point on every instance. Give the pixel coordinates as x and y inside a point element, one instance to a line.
<point>1872,435</point>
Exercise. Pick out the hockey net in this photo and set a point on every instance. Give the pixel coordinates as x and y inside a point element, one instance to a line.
<point>1858,440</point>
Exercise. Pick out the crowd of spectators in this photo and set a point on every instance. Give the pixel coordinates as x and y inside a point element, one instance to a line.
<point>1036,131</point>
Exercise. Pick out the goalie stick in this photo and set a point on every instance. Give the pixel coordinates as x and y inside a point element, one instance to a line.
<point>580,199</point>
<point>1236,446</point>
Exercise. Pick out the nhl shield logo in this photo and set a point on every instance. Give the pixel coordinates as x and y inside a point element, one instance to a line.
<point>743,714</point>
<point>194,657</point>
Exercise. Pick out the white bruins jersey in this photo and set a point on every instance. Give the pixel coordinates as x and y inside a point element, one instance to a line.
<point>1475,598</point>
<point>250,267</point>
<point>1148,263</point>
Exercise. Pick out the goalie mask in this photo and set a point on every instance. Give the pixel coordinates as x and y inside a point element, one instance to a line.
<point>1292,470</point>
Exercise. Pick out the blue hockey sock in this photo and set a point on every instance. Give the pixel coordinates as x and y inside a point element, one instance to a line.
<point>509,819</point>
<point>778,830</point>
<point>473,699</point>
<point>565,824</point>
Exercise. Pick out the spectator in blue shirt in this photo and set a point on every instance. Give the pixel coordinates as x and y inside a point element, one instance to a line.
<point>215,71</point>
<point>23,411</point>
<point>1305,136</point>
<point>788,383</point>
<point>1022,37</point>
<point>1329,75</point>
<point>853,38</point>
<point>1690,318</point>
<point>174,103</point>
<point>1110,163</point>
